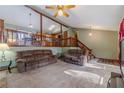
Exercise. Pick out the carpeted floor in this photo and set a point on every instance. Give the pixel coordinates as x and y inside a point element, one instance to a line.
<point>64,75</point>
<point>3,79</point>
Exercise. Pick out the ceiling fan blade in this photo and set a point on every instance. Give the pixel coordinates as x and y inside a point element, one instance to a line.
<point>56,14</point>
<point>50,7</point>
<point>65,14</point>
<point>68,7</point>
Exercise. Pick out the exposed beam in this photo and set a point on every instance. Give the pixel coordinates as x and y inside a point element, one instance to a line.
<point>41,27</point>
<point>45,15</point>
<point>1,30</point>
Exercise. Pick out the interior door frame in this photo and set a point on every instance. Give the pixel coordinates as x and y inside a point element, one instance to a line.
<point>121,38</point>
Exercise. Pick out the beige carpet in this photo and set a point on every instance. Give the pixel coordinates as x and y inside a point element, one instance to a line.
<point>3,79</point>
<point>64,75</point>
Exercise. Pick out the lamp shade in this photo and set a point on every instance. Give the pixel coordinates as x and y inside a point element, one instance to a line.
<point>4,46</point>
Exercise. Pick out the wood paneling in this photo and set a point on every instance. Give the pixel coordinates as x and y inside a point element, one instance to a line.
<point>41,26</point>
<point>1,29</point>
<point>65,35</point>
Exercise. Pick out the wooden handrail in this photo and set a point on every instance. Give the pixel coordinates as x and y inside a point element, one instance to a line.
<point>68,41</point>
<point>46,36</point>
<point>78,41</point>
<point>84,45</point>
<point>66,38</point>
<point>16,31</point>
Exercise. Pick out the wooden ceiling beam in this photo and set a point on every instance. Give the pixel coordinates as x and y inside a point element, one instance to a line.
<point>45,15</point>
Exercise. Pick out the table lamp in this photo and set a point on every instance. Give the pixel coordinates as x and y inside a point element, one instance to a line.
<point>3,48</point>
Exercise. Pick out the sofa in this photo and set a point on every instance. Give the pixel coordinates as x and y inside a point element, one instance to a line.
<point>75,56</point>
<point>31,59</point>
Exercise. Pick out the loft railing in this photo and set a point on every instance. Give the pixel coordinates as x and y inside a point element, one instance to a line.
<point>18,39</point>
<point>69,42</point>
<point>82,46</point>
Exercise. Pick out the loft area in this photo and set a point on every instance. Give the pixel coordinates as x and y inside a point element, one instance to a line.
<point>18,36</point>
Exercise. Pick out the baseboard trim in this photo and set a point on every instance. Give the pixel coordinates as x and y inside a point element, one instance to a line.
<point>3,69</point>
<point>108,61</point>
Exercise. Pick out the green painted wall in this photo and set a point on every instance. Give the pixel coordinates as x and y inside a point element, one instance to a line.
<point>103,43</point>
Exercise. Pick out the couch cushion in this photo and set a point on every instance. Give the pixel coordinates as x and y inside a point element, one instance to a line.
<point>22,54</point>
<point>26,54</point>
<point>38,52</point>
<point>21,60</point>
<point>29,58</point>
<point>75,59</point>
<point>47,52</point>
<point>67,56</point>
<point>76,51</point>
<point>41,57</point>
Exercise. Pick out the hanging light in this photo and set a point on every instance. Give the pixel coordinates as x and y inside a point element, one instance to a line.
<point>60,12</point>
<point>90,34</point>
<point>30,21</point>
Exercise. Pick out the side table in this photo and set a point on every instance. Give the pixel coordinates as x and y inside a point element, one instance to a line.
<point>6,65</point>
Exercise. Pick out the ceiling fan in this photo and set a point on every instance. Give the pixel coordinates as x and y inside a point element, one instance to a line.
<point>60,9</point>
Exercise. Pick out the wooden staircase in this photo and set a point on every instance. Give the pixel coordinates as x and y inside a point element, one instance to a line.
<point>90,54</point>
<point>83,47</point>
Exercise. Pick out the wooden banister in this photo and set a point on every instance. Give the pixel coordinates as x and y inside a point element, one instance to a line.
<point>67,38</point>
<point>83,45</point>
<point>80,44</point>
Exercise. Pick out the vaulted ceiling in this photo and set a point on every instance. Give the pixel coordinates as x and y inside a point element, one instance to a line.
<point>82,16</point>
<point>19,15</point>
<point>106,17</point>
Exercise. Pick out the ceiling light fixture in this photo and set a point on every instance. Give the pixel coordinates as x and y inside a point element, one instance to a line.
<point>61,9</point>
<point>90,34</point>
<point>30,21</point>
<point>51,27</point>
<point>60,12</point>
